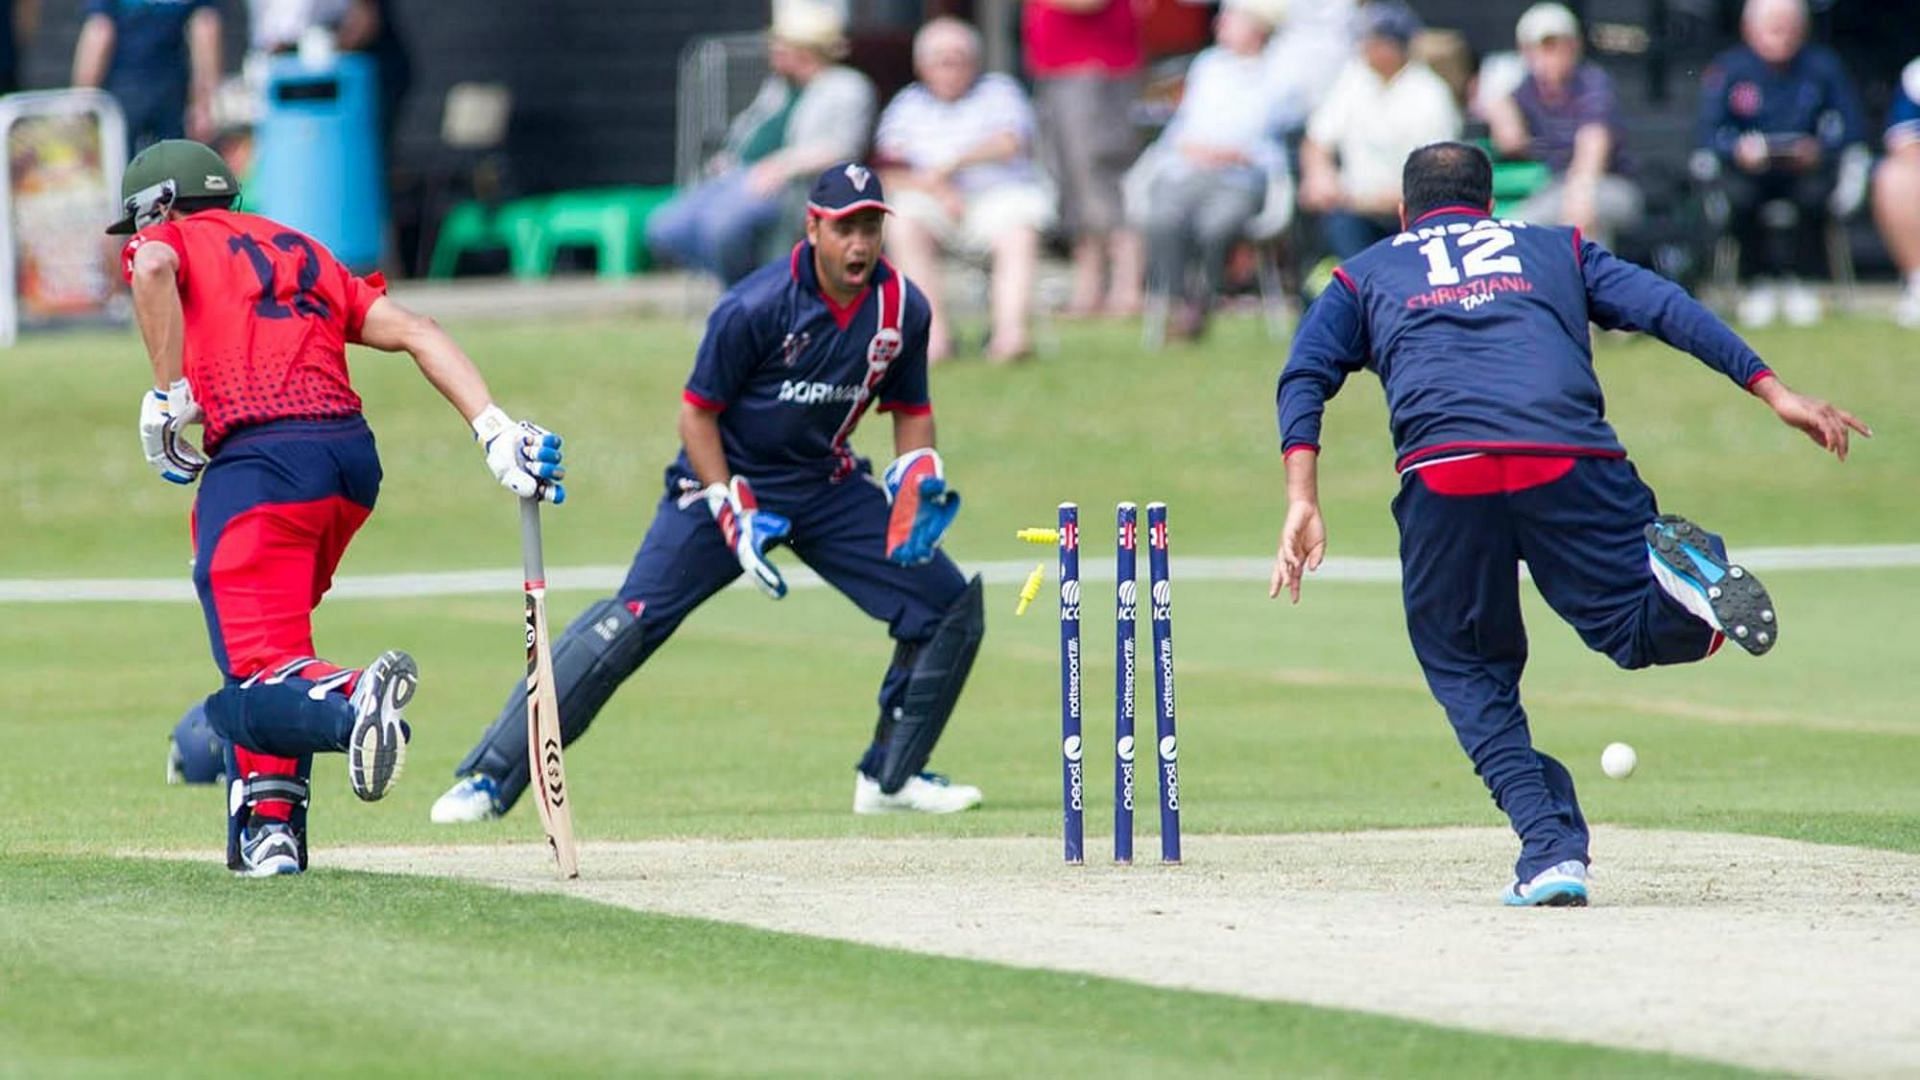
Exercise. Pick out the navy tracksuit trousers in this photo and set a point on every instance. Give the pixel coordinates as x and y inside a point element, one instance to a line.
<point>1578,525</point>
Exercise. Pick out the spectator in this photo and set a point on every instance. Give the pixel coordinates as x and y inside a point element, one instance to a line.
<point>1896,192</point>
<point>1776,113</point>
<point>160,59</point>
<point>1383,107</point>
<point>1304,57</point>
<point>18,22</point>
<point>955,151</point>
<point>1207,174</point>
<point>1086,59</point>
<point>1565,115</point>
<point>810,113</point>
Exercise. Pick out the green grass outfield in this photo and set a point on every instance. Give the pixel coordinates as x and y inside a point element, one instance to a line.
<point>747,724</point>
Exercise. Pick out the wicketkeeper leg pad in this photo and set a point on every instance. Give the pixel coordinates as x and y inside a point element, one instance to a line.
<point>937,672</point>
<point>590,661</point>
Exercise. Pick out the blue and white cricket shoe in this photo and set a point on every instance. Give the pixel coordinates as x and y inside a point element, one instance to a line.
<point>472,798</point>
<point>1563,885</point>
<point>1720,593</point>
<point>268,850</point>
<point>926,793</point>
<point>377,746</point>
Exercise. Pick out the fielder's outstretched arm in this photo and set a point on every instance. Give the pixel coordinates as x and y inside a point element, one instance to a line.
<point>1331,344</point>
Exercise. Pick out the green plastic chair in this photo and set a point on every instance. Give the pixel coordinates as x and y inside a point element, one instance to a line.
<point>472,226</point>
<point>1516,181</point>
<point>611,221</point>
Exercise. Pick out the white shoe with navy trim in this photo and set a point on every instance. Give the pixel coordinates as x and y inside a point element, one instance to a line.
<point>926,793</point>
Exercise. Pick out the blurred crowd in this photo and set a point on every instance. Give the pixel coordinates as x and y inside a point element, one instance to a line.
<point>1298,111</point>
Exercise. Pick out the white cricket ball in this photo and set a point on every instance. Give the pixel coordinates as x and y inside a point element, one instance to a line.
<point>1618,760</point>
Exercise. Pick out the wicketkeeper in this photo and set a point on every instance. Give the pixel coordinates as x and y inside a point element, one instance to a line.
<point>246,324</point>
<point>793,357</point>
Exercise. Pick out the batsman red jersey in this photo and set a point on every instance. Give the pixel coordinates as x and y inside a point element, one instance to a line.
<point>269,313</point>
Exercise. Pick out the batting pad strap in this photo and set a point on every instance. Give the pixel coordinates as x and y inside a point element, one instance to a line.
<point>257,789</point>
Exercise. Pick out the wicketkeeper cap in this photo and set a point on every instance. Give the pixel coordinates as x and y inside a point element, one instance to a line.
<point>193,169</point>
<point>844,189</point>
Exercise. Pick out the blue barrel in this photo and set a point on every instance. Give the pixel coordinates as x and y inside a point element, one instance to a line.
<point>317,155</point>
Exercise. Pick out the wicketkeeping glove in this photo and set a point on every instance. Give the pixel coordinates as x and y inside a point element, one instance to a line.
<point>749,530</point>
<point>524,457</point>
<point>923,506</point>
<point>162,415</point>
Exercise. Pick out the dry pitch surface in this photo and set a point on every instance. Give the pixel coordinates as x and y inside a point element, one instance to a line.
<point>1763,952</point>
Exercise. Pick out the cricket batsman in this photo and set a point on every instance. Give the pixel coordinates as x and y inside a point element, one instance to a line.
<point>794,355</point>
<point>1478,329</point>
<point>246,324</point>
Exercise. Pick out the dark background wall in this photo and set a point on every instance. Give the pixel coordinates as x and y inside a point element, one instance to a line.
<point>593,80</point>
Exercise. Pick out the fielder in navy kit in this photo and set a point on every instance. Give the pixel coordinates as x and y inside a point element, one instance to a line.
<point>1478,330</point>
<point>793,357</point>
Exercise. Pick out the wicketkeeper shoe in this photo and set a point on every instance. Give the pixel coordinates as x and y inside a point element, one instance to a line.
<point>927,793</point>
<point>1564,885</point>
<point>377,747</point>
<point>1721,594</point>
<point>268,849</point>
<point>472,798</point>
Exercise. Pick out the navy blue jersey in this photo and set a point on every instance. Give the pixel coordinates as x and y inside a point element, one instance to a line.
<point>1742,94</point>
<point>791,373</point>
<point>1903,121</point>
<point>1478,330</point>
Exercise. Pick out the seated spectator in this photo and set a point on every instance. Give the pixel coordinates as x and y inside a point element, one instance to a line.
<point>1565,115</point>
<point>1304,55</point>
<point>1896,192</point>
<point>1207,174</point>
<point>1384,106</point>
<point>1776,113</point>
<point>955,152</point>
<point>810,113</point>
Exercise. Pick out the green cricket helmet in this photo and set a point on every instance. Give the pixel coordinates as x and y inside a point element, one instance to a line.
<point>165,172</point>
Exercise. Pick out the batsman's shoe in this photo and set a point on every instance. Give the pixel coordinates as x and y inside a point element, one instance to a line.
<point>1564,885</point>
<point>377,747</point>
<point>474,797</point>
<point>268,849</point>
<point>926,793</point>
<point>1721,594</point>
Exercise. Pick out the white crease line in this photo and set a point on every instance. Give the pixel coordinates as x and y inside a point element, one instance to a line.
<point>607,577</point>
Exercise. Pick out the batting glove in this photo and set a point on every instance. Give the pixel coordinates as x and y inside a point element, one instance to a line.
<point>524,457</point>
<point>162,415</point>
<point>749,531</point>
<point>923,506</point>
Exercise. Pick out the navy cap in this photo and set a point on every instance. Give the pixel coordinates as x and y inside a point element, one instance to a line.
<point>843,189</point>
<point>1389,19</point>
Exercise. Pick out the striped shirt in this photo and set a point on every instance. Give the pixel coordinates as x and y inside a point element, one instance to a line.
<point>922,131</point>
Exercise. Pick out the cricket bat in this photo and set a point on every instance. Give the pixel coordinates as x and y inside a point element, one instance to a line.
<point>547,768</point>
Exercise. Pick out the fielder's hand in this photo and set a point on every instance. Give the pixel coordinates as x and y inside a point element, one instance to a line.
<point>1303,544</point>
<point>1823,422</point>
<point>162,415</point>
<point>524,457</point>
<point>749,531</point>
<point>923,506</point>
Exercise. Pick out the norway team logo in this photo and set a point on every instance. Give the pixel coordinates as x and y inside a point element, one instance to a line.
<point>857,175</point>
<point>884,348</point>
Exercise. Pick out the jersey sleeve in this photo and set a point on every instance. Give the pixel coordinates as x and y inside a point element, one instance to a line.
<point>1903,122</point>
<point>165,233</point>
<point>905,387</point>
<point>361,293</point>
<point>1622,296</point>
<point>1331,344</point>
<point>726,358</point>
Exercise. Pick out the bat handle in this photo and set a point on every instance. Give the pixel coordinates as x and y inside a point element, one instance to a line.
<point>533,560</point>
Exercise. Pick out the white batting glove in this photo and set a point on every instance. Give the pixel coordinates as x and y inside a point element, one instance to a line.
<point>170,453</point>
<point>524,457</point>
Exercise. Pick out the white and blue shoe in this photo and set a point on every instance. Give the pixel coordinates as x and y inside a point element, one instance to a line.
<point>1562,885</point>
<point>925,793</point>
<point>268,850</point>
<point>1720,593</point>
<point>377,746</point>
<point>474,797</point>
